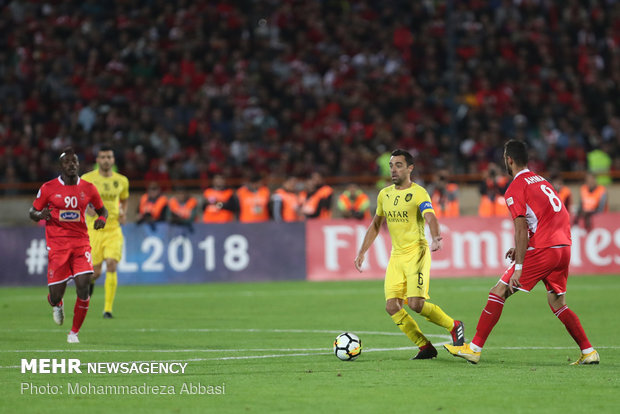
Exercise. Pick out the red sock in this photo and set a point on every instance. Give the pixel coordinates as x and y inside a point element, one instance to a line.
<point>489,317</point>
<point>573,326</point>
<point>79,313</point>
<point>53,304</point>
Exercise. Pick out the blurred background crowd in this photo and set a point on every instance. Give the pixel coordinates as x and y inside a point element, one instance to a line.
<point>190,89</point>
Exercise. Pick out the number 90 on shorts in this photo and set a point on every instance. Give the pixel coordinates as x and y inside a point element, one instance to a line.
<point>68,263</point>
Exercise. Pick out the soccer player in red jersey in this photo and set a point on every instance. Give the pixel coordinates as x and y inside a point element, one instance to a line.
<point>61,203</point>
<point>541,253</point>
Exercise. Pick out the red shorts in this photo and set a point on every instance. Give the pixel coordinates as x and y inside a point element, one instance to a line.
<point>63,265</point>
<point>549,265</point>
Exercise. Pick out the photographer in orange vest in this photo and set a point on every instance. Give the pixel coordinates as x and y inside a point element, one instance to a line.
<point>593,200</point>
<point>354,203</point>
<point>286,202</point>
<point>152,205</point>
<point>492,189</point>
<point>182,208</point>
<point>444,196</point>
<point>214,199</point>
<point>254,201</point>
<point>318,199</point>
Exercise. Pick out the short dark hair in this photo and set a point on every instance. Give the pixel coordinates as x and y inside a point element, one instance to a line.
<point>517,150</point>
<point>106,147</point>
<point>66,151</point>
<point>406,154</point>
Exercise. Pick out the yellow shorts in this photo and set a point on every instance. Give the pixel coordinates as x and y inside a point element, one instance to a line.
<point>106,244</point>
<point>408,275</point>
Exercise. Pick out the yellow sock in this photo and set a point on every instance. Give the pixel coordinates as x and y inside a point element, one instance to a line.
<point>409,327</point>
<point>111,281</point>
<point>433,313</point>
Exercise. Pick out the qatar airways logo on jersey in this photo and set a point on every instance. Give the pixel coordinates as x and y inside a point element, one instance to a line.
<point>534,179</point>
<point>397,216</point>
<point>69,215</point>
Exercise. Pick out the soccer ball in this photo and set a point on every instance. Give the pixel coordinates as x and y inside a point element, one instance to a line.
<point>347,346</point>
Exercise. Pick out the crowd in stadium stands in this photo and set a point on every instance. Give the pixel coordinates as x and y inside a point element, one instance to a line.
<point>190,89</point>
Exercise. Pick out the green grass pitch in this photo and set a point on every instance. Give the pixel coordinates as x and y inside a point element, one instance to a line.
<point>269,347</point>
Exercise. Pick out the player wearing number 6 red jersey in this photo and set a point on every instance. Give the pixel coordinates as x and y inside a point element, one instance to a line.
<point>541,253</point>
<point>61,203</point>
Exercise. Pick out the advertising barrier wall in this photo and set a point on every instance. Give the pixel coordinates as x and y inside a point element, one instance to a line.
<point>214,253</point>
<point>315,250</point>
<point>175,254</point>
<point>472,246</point>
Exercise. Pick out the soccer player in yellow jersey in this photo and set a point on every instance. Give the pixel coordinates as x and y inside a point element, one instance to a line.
<point>108,245</point>
<point>406,206</point>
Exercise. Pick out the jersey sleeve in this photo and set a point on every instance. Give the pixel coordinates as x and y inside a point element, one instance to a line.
<point>95,198</point>
<point>124,195</point>
<point>424,202</point>
<point>379,211</point>
<point>515,200</point>
<point>87,177</point>
<point>41,201</point>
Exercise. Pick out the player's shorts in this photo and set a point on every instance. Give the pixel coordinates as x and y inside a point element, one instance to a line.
<point>63,265</point>
<point>549,265</point>
<point>408,275</point>
<point>106,244</point>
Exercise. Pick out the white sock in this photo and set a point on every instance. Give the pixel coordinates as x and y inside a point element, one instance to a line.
<point>587,350</point>
<point>475,347</point>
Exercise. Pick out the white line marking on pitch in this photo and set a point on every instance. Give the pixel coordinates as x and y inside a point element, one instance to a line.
<point>404,348</point>
<point>257,330</point>
<point>371,291</point>
<point>322,351</point>
<point>169,350</point>
<point>164,351</point>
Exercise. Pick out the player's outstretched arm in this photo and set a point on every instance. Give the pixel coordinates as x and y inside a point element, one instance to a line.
<point>103,216</point>
<point>37,215</point>
<point>433,225</point>
<point>122,211</point>
<point>521,241</point>
<point>369,238</point>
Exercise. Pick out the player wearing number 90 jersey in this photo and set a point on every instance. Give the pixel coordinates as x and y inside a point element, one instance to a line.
<point>66,229</point>
<point>62,203</point>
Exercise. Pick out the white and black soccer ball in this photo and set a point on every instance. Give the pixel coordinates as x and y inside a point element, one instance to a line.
<point>347,346</point>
